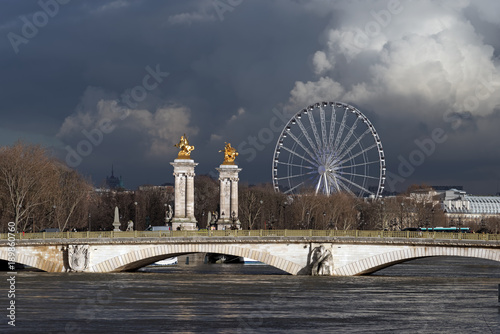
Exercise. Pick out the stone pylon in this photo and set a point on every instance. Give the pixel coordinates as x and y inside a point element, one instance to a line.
<point>184,195</point>
<point>228,215</point>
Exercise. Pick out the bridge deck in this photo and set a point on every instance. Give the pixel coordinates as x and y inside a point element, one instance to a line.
<point>258,236</point>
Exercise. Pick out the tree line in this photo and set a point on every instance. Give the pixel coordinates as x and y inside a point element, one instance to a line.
<point>37,191</point>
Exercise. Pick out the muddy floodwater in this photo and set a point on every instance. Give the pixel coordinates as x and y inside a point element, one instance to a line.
<point>431,295</point>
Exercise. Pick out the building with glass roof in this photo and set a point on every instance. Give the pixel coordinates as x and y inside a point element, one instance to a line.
<point>457,204</point>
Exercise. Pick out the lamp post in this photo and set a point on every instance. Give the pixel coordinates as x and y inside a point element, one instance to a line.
<point>382,215</point>
<point>135,205</point>
<point>324,217</point>
<point>261,215</point>
<point>308,221</point>
<point>432,221</point>
<point>402,209</point>
<point>233,219</point>
<point>52,215</point>
<point>89,222</point>
<point>284,214</point>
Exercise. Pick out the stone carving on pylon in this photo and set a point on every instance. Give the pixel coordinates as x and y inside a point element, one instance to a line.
<point>184,187</point>
<point>321,262</point>
<point>78,257</point>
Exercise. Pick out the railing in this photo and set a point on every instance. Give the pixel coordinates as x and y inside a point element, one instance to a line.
<point>251,233</point>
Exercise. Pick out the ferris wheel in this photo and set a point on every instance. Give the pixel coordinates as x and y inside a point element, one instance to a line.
<point>329,147</point>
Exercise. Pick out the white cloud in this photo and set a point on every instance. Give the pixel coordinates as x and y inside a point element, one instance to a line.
<point>215,137</point>
<point>304,94</point>
<point>158,129</point>
<point>321,63</point>
<point>240,112</point>
<point>428,51</point>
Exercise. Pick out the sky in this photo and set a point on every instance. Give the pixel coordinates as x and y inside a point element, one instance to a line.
<point>105,83</point>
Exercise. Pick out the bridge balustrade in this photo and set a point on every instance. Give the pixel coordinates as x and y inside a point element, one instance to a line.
<point>251,233</point>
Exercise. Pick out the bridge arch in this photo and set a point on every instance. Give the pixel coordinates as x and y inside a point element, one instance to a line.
<point>143,257</point>
<point>33,261</point>
<point>377,262</point>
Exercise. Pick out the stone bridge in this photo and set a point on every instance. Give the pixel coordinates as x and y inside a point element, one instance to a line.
<point>350,255</point>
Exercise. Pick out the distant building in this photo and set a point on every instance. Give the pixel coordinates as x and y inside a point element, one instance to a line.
<point>458,206</point>
<point>113,182</point>
<point>166,188</point>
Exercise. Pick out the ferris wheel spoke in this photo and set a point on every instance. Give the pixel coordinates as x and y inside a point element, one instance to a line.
<point>295,187</point>
<point>301,145</point>
<point>332,126</point>
<point>314,128</point>
<point>356,142</point>
<point>306,134</point>
<point>300,156</point>
<point>355,184</point>
<point>357,165</point>
<point>358,154</point>
<point>294,176</point>
<point>360,175</point>
<point>323,126</point>
<point>341,130</point>
<point>346,188</point>
<point>333,180</point>
<point>295,165</point>
<point>348,136</point>
<point>318,184</point>
<point>327,185</point>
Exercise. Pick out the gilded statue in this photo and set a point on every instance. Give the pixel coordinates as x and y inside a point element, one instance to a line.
<point>229,154</point>
<point>185,148</point>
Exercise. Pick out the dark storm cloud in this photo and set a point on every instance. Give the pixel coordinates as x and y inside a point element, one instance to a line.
<point>418,69</point>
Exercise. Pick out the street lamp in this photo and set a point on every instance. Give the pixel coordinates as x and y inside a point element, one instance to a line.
<point>284,214</point>
<point>432,211</point>
<point>261,215</point>
<point>324,217</point>
<point>52,215</point>
<point>135,204</point>
<point>402,208</point>
<point>233,219</point>
<point>382,215</point>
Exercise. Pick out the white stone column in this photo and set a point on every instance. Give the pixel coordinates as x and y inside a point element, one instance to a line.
<point>184,194</point>
<point>228,178</point>
<point>179,202</point>
<point>190,196</point>
<point>225,209</point>
<point>234,196</point>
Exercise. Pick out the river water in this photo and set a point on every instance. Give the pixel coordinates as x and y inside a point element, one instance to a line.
<point>431,295</point>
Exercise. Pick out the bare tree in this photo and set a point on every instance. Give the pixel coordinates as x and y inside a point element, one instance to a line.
<point>71,192</point>
<point>250,206</point>
<point>27,177</point>
<point>206,198</point>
